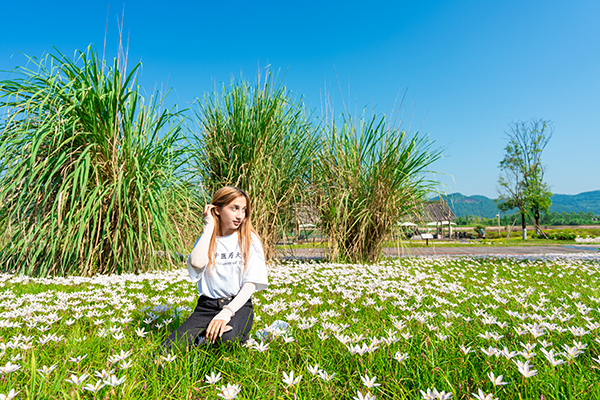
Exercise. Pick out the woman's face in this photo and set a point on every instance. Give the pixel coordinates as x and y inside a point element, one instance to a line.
<point>232,215</point>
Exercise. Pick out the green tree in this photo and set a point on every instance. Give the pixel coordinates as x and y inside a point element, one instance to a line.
<point>521,181</point>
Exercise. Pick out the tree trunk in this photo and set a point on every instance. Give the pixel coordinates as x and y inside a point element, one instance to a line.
<point>536,216</point>
<point>524,226</point>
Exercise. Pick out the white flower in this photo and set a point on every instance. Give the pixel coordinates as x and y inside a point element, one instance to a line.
<point>11,395</point>
<point>571,352</point>
<point>125,364</point>
<point>441,337</point>
<point>104,374</point>
<point>77,359</point>
<point>46,370</point>
<point>262,346</point>
<point>114,381</point>
<point>141,332</point>
<point>119,357</point>
<point>399,325</point>
<point>102,332</point>
<point>290,380</point>
<point>527,354</point>
<point>95,387</point>
<point>9,367</point>
<point>482,396</point>
<point>487,335</point>
<point>325,376</point>
<point>367,396</point>
<point>322,335</point>
<point>525,369</point>
<point>401,356</point>
<point>369,382</point>
<point>406,335</point>
<point>430,394</point>
<point>229,392</point>
<point>496,380</point>
<point>508,354</point>
<point>168,358</point>
<point>212,378</point>
<point>490,351</point>
<point>444,396</point>
<point>288,339</point>
<point>555,362</point>
<point>77,380</point>
<point>118,335</point>
<point>466,350</point>
<point>528,346</point>
<point>313,369</point>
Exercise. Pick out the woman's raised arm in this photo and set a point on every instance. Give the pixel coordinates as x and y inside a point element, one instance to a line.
<point>198,258</point>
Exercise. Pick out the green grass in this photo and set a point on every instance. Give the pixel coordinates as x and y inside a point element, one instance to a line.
<point>440,243</point>
<point>439,304</point>
<point>489,242</point>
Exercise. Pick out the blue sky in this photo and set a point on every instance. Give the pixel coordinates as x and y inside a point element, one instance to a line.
<point>467,68</point>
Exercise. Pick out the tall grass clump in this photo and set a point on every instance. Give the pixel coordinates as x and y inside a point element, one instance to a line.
<point>88,170</point>
<point>256,137</point>
<point>367,177</point>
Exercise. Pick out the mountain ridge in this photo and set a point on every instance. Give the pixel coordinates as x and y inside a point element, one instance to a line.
<point>483,206</point>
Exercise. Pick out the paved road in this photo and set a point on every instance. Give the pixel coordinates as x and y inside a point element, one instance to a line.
<point>458,251</point>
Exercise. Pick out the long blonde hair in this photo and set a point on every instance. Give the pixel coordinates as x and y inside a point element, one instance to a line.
<point>221,198</point>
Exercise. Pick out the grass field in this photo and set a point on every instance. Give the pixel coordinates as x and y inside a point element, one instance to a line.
<point>449,243</point>
<point>400,329</point>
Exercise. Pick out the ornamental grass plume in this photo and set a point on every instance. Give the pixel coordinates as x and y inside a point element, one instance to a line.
<point>367,177</point>
<point>90,173</point>
<point>258,138</point>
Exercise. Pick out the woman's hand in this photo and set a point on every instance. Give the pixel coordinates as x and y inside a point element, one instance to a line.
<point>216,329</point>
<point>207,213</point>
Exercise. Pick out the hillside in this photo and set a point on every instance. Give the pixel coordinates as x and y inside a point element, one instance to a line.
<point>483,206</point>
<point>586,202</point>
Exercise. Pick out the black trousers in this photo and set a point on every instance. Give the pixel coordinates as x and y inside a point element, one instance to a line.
<point>193,330</point>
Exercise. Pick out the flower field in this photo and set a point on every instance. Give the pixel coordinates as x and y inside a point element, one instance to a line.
<point>433,328</point>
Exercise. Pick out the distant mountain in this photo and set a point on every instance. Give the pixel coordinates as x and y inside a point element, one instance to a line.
<point>586,202</point>
<point>462,205</point>
<point>483,206</point>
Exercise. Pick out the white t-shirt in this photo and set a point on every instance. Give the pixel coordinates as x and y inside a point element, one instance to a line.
<point>227,276</point>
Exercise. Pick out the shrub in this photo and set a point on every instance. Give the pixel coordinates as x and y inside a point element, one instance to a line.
<point>257,138</point>
<point>493,234</point>
<point>89,172</point>
<point>367,177</point>
<point>557,234</point>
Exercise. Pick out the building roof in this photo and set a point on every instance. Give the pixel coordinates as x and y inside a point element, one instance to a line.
<point>437,211</point>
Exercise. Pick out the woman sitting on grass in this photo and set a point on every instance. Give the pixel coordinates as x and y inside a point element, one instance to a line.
<point>228,265</point>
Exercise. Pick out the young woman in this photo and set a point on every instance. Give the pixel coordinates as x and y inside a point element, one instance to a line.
<point>228,265</point>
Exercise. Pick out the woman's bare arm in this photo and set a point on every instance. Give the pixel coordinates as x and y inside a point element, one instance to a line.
<point>198,258</point>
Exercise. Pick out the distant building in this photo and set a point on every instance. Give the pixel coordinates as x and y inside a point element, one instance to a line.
<point>437,211</point>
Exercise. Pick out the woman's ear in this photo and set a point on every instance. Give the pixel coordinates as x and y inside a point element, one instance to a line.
<point>216,210</point>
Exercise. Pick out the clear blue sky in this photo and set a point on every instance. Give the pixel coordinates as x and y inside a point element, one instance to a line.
<point>468,68</point>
